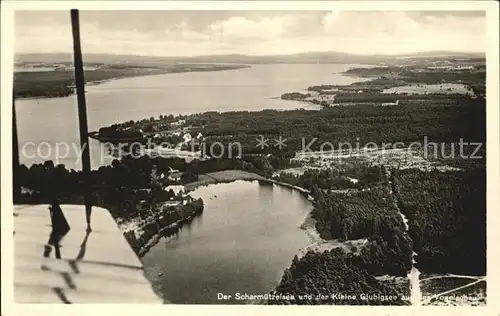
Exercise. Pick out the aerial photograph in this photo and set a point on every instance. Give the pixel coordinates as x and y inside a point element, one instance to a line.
<point>259,157</point>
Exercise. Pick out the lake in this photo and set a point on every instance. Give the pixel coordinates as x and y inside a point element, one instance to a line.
<point>48,127</point>
<point>245,238</point>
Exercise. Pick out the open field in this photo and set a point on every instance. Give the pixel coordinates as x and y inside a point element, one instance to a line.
<point>221,177</point>
<point>445,88</point>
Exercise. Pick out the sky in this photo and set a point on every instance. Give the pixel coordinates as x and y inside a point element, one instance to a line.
<point>191,33</point>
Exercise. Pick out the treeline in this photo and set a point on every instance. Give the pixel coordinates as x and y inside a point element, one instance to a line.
<point>479,89</point>
<point>340,277</point>
<point>382,97</point>
<point>295,96</point>
<point>423,76</point>
<point>320,88</point>
<point>127,175</point>
<point>368,214</point>
<point>58,83</point>
<point>116,132</point>
<point>433,77</point>
<point>163,223</point>
<point>373,72</point>
<point>151,124</point>
<point>409,123</point>
<point>360,86</point>
<point>355,177</point>
<point>447,218</point>
<point>381,83</point>
<point>126,189</point>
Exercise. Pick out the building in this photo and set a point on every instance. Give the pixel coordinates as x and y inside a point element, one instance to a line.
<point>175,176</point>
<point>176,188</point>
<point>169,204</point>
<point>390,103</point>
<point>178,123</point>
<point>329,98</point>
<point>187,138</point>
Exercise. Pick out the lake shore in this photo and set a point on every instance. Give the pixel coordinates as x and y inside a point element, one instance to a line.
<point>154,232</point>
<point>225,176</point>
<point>318,244</point>
<point>58,84</point>
<point>235,175</point>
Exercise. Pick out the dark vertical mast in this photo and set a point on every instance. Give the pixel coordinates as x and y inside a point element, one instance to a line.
<point>15,152</point>
<point>82,110</point>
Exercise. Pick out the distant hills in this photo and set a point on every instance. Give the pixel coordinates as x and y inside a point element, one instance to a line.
<point>308,57</point>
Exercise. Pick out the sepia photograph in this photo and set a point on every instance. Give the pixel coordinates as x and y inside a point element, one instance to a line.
<point>249,156</point>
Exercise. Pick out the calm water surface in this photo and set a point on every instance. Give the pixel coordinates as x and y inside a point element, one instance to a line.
<point>248,233</point>
<point>55,120</point>
<point>243,241</point>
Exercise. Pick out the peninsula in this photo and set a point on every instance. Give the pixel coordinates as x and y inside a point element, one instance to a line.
<point>49,80</point>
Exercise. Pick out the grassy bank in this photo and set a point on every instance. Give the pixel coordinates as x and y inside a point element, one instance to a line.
<point>235,175</point>
<point>222,177</point>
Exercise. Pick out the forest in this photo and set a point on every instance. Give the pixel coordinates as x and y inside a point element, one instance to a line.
<point>123,180</point>
<point>337,272</point>
<point>381,97</point>
<point>374,71</point>
<point>294,96</point>
<point>447,218</point>
<point>447,230</point>
<point>370,214</point>
<point>350,124</point>
<point>334,179</point>
<point>393,76</point>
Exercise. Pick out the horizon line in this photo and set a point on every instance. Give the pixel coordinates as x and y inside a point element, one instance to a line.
<point>261,55</point>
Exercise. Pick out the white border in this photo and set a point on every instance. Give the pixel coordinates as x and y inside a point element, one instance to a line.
<point>493,162</point>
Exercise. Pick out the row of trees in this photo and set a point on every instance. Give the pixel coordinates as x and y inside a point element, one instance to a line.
<point>378,97</point>
<point>373,71</point>
<point>294,96</point>
<point>129,174</point>
<point>114,132</point>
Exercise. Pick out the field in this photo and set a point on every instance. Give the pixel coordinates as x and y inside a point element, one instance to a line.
<point>446,88</point>
<point>222,176</point>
